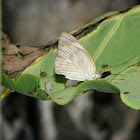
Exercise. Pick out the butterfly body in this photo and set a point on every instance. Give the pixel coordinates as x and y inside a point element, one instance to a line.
<point>74,61</point>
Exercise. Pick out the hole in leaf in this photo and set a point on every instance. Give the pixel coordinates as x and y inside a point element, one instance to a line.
<point>18,46</point>
<point>104,66</point>
<point>71,83</point>
<point>48,86</point>
<point>105,74</point>
<point>126,92</point>
<point>43,74</point>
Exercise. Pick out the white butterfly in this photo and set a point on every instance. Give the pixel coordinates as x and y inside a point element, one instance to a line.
<point>74,61</point>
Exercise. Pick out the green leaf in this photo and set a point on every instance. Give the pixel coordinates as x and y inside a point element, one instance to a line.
<point>5,92</point>
<point>46,64</point>
<point>24,84</point>
<point>41,94</point>
<point>113,41</point>
<point>63,97</point>
<point>115,44</point>
<point>98,85</point>
<point>130,90</point>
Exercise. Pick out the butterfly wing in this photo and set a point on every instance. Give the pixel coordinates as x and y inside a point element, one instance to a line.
<point>73,60</point>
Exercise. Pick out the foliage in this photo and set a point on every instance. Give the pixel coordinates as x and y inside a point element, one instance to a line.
<point>114,45</point>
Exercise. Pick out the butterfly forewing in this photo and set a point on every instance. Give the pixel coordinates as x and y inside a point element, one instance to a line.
<point>67,38</point>
<point>73,60</point>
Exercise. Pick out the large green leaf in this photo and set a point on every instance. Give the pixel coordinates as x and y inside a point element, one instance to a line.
<point>25,84</point>
<point>130,90</point>
<point>63,97</point>
<point>115,47</point>
<point>45,65</point>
